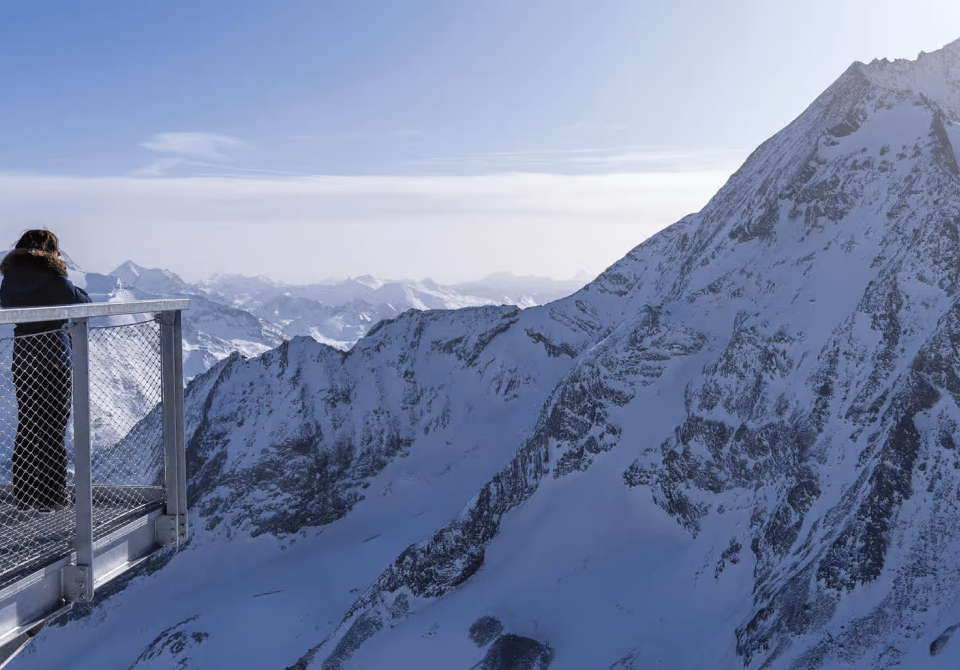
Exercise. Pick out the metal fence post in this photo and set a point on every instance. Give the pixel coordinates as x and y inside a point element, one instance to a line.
<point>180,437</point>
<point>172,529</point>
<point>78,578</point>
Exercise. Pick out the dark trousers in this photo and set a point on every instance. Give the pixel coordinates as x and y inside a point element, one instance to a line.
<point>42,376</point>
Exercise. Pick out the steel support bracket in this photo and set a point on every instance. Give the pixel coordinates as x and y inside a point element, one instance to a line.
<point>77,584</point>
<point>171,529</point>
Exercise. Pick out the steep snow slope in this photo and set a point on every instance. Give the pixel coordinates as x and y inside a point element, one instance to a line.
<point>736,447</point>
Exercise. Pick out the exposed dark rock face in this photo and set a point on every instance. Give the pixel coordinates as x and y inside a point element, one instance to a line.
<point>853,549</point>
<point>175,643</point>
<point>938,645</point>
<point>512,652</point>
<point>363,628</point>
<point>484,630</point>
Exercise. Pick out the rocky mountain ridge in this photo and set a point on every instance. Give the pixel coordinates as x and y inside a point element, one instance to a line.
<point>337,313</point>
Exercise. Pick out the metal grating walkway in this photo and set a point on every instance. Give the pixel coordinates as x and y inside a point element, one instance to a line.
<point>31,541</point>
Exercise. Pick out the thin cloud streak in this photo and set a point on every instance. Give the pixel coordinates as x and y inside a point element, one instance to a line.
<point>640,159</point>
<point>308,229</point>
<point>187,149</point>
<point>202,146</point>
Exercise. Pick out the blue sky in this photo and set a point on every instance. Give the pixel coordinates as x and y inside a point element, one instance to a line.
<point>345,88</point>
<point>107,104</point>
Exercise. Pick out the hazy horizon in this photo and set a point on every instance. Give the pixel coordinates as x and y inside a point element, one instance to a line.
<point>585,278</point>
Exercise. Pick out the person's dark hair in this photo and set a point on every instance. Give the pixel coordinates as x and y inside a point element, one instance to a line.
<point>39,239</point>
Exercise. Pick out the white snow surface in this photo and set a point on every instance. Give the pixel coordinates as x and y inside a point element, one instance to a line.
<point>737,447</point>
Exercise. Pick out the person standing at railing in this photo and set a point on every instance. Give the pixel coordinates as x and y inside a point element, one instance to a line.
<point>34,275</point>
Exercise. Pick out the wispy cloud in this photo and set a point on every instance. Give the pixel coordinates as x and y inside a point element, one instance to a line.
<point>586,160</point>
<point>187,149</point>
<point>401,134</point>
<point>201,146</point>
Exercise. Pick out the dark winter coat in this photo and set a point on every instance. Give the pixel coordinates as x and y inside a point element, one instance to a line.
<point>32,278</point>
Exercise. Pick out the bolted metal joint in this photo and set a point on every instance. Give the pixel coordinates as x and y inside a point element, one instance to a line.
<point>77,584</point>
<point>171,529</point>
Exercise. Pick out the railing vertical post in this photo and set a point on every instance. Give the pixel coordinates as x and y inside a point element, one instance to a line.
<point>180,438</point>
<point>173,530</point>
<point>78,581</point>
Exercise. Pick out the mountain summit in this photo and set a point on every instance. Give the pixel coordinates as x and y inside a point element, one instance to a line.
<point>738,446</point>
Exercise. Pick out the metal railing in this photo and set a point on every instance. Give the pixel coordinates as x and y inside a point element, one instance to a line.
<point>92,462</point>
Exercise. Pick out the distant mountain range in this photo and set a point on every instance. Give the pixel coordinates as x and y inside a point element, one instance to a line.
<point>253,314</point>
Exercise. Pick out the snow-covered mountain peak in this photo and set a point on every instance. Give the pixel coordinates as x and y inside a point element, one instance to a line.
<point>152,280</point>
<point>368,281</point>
<point>865,144</point>
<point>934,76</point>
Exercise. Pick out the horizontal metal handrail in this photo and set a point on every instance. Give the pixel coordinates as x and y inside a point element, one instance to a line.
<point>87,310</point>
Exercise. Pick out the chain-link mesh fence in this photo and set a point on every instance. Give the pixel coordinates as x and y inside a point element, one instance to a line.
<point>37,506</point>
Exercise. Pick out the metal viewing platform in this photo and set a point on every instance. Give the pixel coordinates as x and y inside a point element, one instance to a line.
<point>92,464</point>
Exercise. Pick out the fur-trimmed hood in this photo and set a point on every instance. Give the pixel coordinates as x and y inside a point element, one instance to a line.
<point>33,259</point>
<point>36,279</point>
